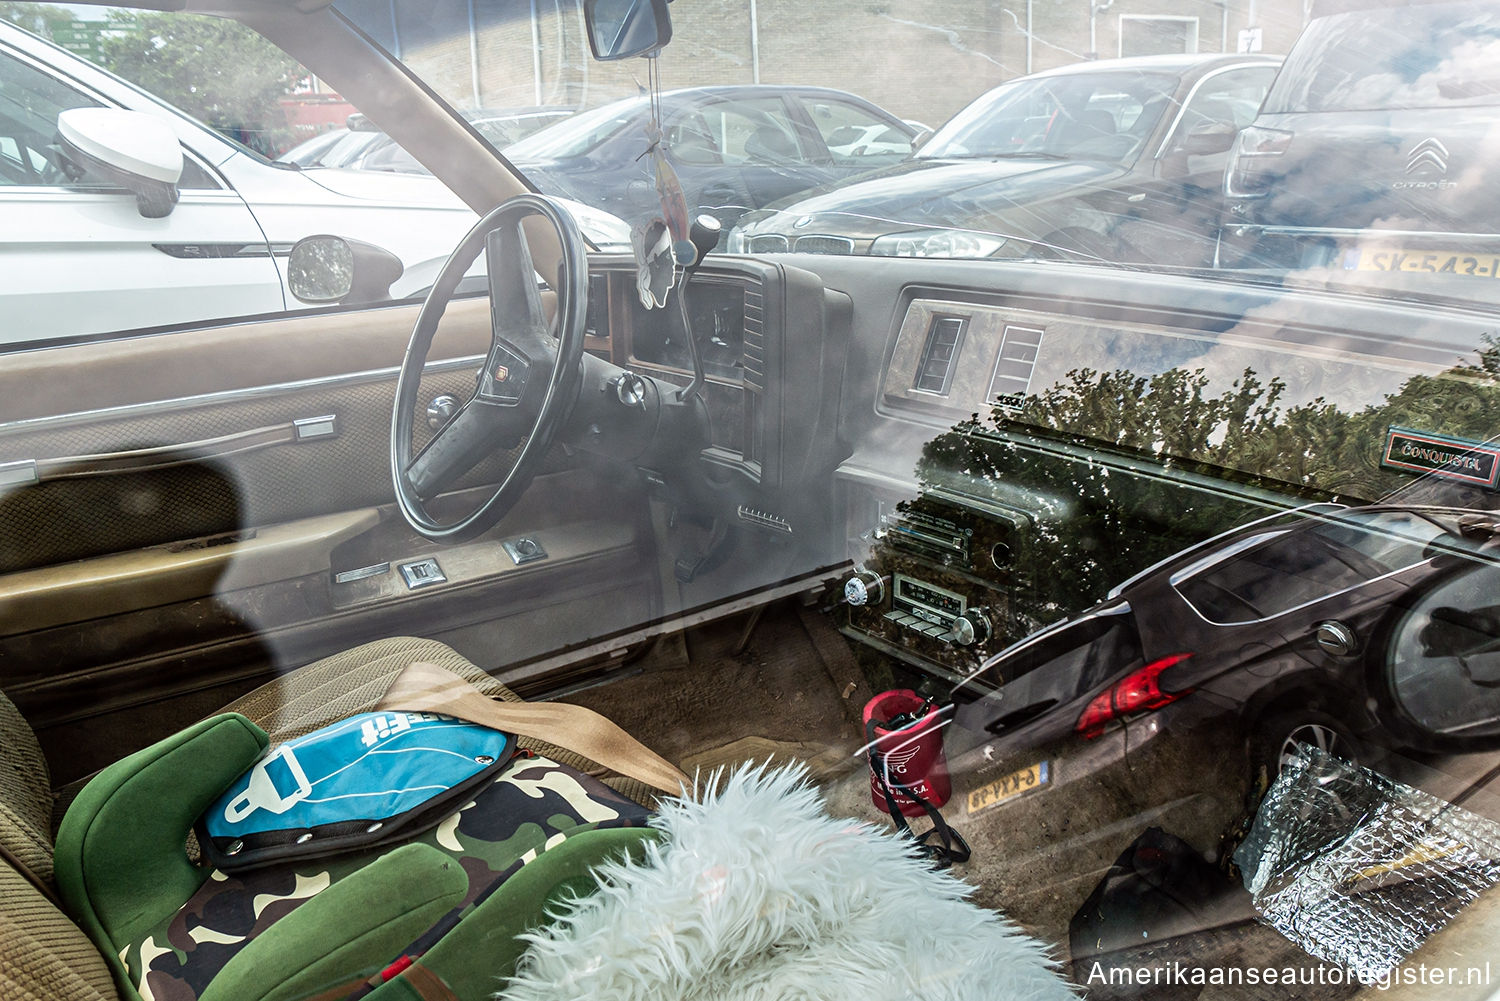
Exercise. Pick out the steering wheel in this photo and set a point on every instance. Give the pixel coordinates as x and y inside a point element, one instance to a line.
<point>529,381</point>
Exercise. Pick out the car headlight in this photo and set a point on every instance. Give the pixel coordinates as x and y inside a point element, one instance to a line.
<point>937,243</point>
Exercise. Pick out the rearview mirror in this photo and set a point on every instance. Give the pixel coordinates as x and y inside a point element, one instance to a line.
<point>327,269</point>
<point>137,151</point>
<point>619,29</point>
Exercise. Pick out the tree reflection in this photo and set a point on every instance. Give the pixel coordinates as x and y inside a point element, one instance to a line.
<point>1117,471</point>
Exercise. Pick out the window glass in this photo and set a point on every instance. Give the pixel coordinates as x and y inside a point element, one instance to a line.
<point>1299,567</point>
<point>576,136</point>
<point>30,102</point>
<point>1104,115</point>
<point>752,132</point>
<point>1430,55</point>
<point>853,135</point>
<point>1231,98</point>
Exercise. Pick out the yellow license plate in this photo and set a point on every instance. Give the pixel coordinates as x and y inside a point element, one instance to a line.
<point>1009,787</point>
<point>1444,262</point>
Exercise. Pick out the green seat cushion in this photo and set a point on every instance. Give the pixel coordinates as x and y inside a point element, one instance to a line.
<point>121,863</point>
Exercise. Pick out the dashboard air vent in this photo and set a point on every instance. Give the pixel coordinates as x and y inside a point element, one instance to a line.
<point>1014,365</point>
<point>755,340</point>
<point>940,354</point>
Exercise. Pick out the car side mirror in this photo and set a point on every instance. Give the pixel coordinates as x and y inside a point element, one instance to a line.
<point>1208,138</point>
<point>619,29</point>
<point>137,151</point>
<point>327,269</point>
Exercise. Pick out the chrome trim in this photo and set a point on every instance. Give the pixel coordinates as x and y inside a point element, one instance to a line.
<point>844,243</point>
<point>422,573</point>
<point>225,396</point>
<point>311,428</point>
<point>990,396</point>
<point>1182,107</point>
<point>1213,559</point>
<point>21,473</point>
<point>1368,236</point>
<point>350,576</point>
<point>532,552</point>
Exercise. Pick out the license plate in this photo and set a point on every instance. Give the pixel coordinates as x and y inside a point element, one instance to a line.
<point>1009,787</point>
<point>1447,262</point>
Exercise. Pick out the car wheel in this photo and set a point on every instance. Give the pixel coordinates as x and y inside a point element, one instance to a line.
<point>1276,739</point>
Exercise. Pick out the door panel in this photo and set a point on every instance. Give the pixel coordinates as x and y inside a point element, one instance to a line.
<point>169,536</point>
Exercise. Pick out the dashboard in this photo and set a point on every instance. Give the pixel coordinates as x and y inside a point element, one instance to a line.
<point>1019,451</point>
<point>989,448</point>
<point>769,335</point>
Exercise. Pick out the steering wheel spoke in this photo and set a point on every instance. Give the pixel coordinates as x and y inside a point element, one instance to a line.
<point>469,436</point>
<point>520,340</point>
<point>516,311</point>
<point>529,380</point>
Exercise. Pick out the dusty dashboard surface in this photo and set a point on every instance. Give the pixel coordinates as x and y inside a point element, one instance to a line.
<point>1029,460</point>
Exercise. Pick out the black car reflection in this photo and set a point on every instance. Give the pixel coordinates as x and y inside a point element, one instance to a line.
<point>1351,628</point>
<point>1120,160</point>
<point>733,148</point>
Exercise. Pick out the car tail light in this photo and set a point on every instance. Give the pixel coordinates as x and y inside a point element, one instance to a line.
<point>1139,691</point>
<point>1248,175</point>
<point>1257,140</point>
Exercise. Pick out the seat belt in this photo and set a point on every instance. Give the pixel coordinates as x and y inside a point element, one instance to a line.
<point>24,871</point>
<point>423,687</point>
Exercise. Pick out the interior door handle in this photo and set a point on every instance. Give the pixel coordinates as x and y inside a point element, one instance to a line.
<point>140,460</point>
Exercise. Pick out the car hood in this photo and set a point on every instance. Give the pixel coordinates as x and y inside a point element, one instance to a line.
<point>932,192</point>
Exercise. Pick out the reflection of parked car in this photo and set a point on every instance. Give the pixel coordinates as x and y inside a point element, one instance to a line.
<point>363,145</point>
<point>1375,147</point>
<point>221,248</point>
<point>1311,627</point>
<point>734,148</point>
<point>1117,160</point>
<point>500,128</point>
<point>190,511</point>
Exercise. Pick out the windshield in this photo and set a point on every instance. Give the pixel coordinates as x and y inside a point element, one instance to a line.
<point>578,136</point>
<point>957,500</point>
<point>1087,116</point>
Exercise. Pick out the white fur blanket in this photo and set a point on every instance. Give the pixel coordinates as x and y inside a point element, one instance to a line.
<point>756,894</point>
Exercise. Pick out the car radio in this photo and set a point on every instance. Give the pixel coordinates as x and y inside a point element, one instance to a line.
<point>935,589</point>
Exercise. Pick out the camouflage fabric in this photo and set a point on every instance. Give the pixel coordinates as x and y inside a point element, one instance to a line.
<point>531,805</point>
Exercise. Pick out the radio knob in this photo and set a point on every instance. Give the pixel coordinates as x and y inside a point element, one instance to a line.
<point>864,587</point>
<point>970,628</point>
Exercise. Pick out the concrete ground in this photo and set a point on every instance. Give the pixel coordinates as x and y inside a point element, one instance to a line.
<point>789,688</point>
